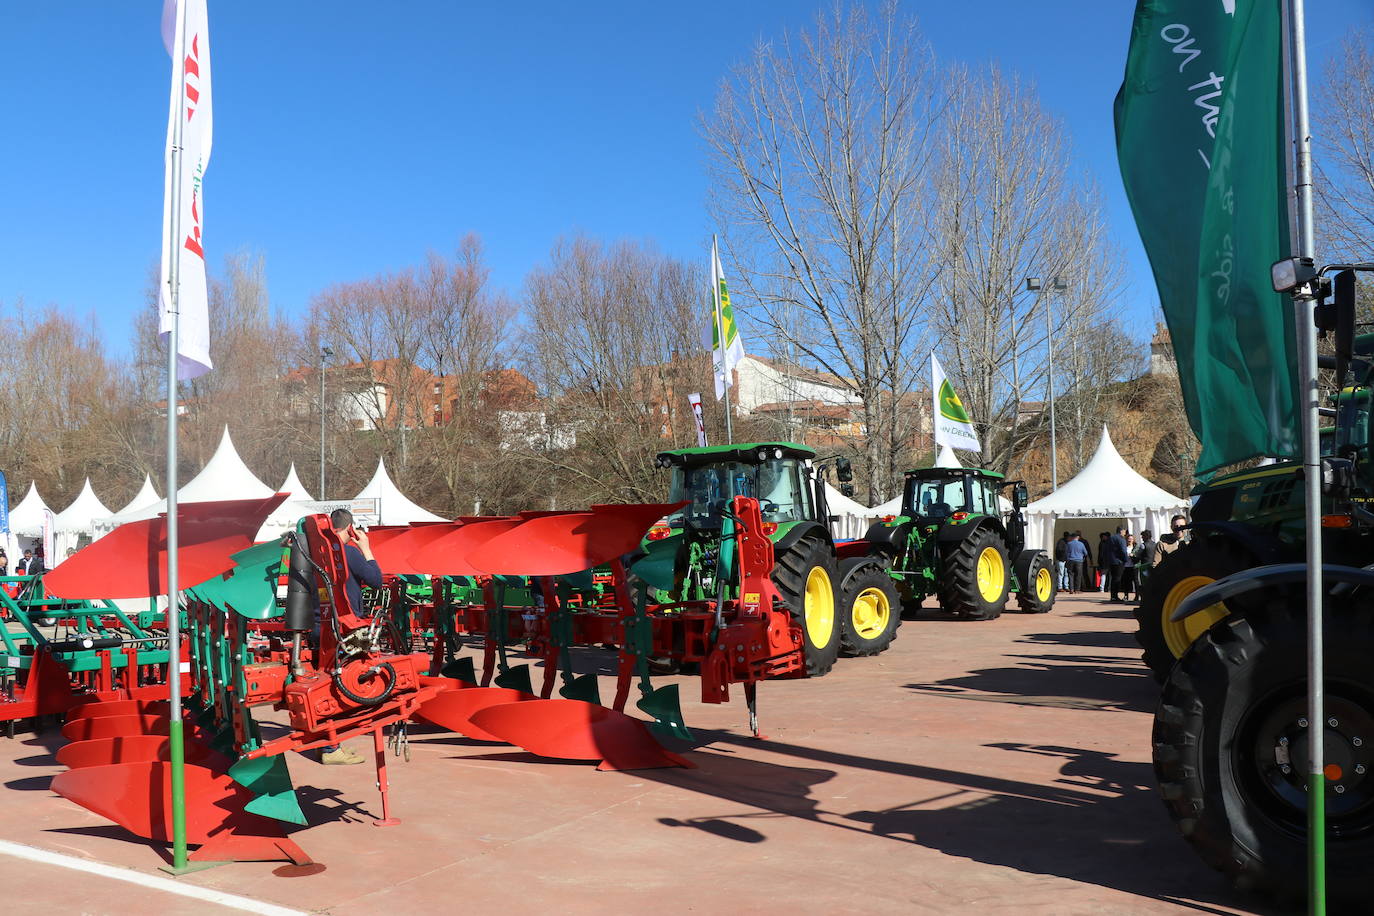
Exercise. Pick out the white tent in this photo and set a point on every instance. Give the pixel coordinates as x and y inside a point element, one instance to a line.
<point>75,524</point>
<point>393,507</point>
<point>853,517</point>
<point>224,476</point>
<point>26,524</point>
<point>146,494</point>
<point>288,513</point>
<point>1107,488</point>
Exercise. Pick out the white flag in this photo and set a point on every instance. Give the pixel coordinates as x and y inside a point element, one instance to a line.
<point>952,425</point>
<point>185,32</point>
<point>726,355</point>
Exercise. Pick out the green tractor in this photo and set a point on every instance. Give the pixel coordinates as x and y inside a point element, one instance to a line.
<point>1231,732</point>
<point>843,606</point>
<point>950,540</point>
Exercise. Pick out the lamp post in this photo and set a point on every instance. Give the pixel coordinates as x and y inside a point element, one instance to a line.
<point>1057,284</point>
<point>325,353</point>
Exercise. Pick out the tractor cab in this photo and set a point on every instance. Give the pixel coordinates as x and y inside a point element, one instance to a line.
<point>935,494</point>
<point>774,473</point>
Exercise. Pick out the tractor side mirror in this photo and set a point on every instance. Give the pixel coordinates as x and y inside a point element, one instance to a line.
<point>1019,495</point>
<point>844,472</point>
<point>1344,304</point>
<point>847,489</point>
<point>1338,477</point>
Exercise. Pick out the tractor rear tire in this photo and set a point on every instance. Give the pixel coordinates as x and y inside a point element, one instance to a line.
<point>806,578</point>
<point>1179,574</point>
<point>975,580</point>
<point>870,608</point>
<point>1232,719</point>
<point>1035,575</point>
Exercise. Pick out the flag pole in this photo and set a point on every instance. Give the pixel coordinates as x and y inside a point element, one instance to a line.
<point>1311,459</point>
<point>175,737</point>
<point>719,337</point>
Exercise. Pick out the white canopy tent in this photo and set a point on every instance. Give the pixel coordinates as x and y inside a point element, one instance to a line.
<point>288,513</point>
<point>26,524</point>
<point>145,495</point>
<point>853,517</point>
<point>75,525</point>
<point>224,476</point>
<point>1107,489</point>
<point>393,507</point>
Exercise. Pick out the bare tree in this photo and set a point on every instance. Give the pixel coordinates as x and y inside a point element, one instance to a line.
<point>820,156</point>
<point>1345,113</point>
<point>615,346</point>
<point>1007,209</point>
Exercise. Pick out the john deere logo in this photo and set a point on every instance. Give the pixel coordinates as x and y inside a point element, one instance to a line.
<point>951,408</point>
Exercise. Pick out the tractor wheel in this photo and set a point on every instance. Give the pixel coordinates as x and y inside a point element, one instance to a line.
<point>870,607</point>
<point>1035,575</point>
<point>975,580</point>
<point>805,576</point>
<point>1230,751</point>
<point>1181,573</point>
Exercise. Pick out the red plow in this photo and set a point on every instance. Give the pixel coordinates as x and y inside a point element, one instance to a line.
<point>552,582</point>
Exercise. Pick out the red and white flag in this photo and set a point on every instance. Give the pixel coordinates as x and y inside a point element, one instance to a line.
<point>185,32</point>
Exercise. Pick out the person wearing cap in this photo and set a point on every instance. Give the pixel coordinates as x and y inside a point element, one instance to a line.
<point>1168,543</point>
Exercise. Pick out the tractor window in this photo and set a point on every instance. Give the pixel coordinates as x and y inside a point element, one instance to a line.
<point>936,497</point>
<point>777,484</point>
<point>978,498</point>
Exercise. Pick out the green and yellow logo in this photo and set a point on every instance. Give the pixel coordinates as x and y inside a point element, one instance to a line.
<point>951,408</point>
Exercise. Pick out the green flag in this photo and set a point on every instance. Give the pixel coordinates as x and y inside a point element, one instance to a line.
<point>1200,139</point>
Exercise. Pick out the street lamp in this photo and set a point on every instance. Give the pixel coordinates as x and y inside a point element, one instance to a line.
<point>1057,284</point>
<point>325,353</point>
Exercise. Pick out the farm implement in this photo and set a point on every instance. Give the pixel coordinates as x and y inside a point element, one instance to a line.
<point>549,583</point>
<point>58,654</point>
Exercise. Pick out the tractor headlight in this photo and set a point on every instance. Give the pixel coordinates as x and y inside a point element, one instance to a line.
<point>763,454</point>
<point>777,453</point>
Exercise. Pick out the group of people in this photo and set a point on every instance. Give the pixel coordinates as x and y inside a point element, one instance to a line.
<point>1122,562</point>
<point>28,565</point>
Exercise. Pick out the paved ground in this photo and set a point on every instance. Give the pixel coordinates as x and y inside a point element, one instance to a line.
<point>997,766</point>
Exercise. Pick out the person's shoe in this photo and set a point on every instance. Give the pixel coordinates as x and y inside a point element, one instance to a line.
<point>341,756</point>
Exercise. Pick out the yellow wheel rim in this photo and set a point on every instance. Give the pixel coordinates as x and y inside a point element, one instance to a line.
<point>1044,584</point>
<point>870,613</point>
<point>1180,634</point>
<point>992,574</point>
<point>818,611</point>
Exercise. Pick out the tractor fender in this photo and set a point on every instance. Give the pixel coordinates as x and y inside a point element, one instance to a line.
<point>850,567</point>
<point>800,530</point>
<point>1343,578</point>
<point>887,537</point>
<point>959,531</point>
<point>1263,546</point>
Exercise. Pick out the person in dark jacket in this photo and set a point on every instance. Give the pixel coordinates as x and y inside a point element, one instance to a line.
<point>1104,561</point>
<point>1118,553</point>
<point>1061,562</point>
<point>362,570</point>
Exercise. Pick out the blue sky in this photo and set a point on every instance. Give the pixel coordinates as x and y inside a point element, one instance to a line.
<point>352,137</point>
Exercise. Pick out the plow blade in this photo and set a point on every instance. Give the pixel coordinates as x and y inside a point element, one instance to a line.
<point>274,795</point>
<point>447,555</point>
<point>115,727</point>
<point>137,797</point>
<point>574,730</point>
<point>94,752</point>
<point>131,561</point>
<point>454,709</point>
<point>394,547</point>
<point>119,708</point>
<point>564,543</point>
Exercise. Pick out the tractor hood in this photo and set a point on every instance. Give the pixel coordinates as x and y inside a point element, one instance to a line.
<point>743,452</point>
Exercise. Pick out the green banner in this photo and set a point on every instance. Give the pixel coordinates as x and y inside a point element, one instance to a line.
<point>1200,138</point>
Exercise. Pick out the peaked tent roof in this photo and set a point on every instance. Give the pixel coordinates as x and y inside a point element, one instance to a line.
<point>946,458</point>
<point>1106,487</point>
<point>393,507</point>
<point>224,476</point>
<point>293,487</point>
<point>26,519</point>
<point>82,513</point>
<point>146,494</point>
